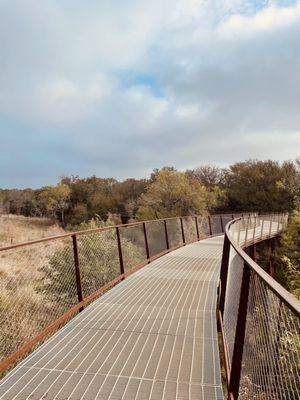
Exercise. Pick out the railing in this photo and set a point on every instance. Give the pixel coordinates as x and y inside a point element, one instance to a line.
<point>46,282</point>
<point>259,319</point>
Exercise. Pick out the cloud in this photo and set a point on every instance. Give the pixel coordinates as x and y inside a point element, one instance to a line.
<point>118,88</point>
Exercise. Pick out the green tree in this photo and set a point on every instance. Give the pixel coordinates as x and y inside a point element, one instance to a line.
<point>54,200</point>
<point>173,193</point>
<point>264,186</point>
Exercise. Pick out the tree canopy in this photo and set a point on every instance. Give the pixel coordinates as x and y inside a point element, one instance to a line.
<point>173,193</point>
<point>252,185</point>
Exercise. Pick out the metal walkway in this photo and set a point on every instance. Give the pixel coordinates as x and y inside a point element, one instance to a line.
<point>153,336</point>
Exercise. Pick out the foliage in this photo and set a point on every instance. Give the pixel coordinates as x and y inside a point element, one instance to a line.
<point>173,193</point>
<point>98,258</point>
<point>263,186</point>
<point>209,175</point>
<point>54,200</point>
<point>288,256</point>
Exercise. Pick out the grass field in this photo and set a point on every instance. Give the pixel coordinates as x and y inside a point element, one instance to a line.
<point>18,229</point>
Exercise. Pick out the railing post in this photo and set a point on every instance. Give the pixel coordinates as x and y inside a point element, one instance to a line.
<point>197,228</point>
<point>209,224</point>
<point>182,231</point>
<point>77,271</point>
<point>146,242</point>
<point>254,229</point>
<point>262,227</point>
<point>166,234</point>
<point>252,252</point>
<point>270,230</point>
<point>120,251</point>
<point>224,272</point>
<point>239,229</point>
<point>237,357</point>
<point>222,225</point>
<point>246,232</point>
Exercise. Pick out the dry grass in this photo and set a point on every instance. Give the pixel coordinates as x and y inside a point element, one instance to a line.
<point>18,229</point>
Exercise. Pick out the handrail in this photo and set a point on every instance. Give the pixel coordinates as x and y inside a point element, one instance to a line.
<point>107,228</point>
<point>288,298</point>
<point>256,317</point>
<point>76,256</point>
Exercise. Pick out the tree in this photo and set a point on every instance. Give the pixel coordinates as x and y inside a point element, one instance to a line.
<point>128,193</point>
<point>264,186</point>
<point>173,193</point>
<point>209,175</point>
<point>54,200</point>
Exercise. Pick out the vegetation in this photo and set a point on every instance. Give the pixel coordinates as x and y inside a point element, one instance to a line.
<point>99,263</point>
<point>173,193</point>
<point>287,256</point>
<point>253,185</point>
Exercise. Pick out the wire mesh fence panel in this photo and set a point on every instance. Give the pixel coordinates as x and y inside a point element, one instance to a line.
<point>226,219</point>
<point>203,227</point>
<point>233,289</point>
<point>37,285</point>
<point>156,237</point>
<point>189,227</point>
<point>215,224</point>
<point>271,355</point>
<point>133,245</point>
<point>174,232</point>
<point>98,259</point>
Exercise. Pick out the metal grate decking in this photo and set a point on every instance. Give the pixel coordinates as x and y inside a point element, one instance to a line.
<point>153,336</point>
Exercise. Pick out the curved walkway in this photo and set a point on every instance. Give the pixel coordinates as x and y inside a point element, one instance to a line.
<point>153,336</point>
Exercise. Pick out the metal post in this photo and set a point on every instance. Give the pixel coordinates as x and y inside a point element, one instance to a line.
<point>252,252</point>
<point>262,228</point>
<point>77,271</point>
<point>254,229</point>
<point>232,216</point>
<point>246,233</point>
<point>222,225</point>
<point>270,230</point>
<point>224,272</point>
<point>239,222</point>
<point>272,269</point>
<point>182,231</point>
<point>209,224</point>
<point>237,356</point>
<point>197,228</point>
<point>166,234</point>
<point>120,251</point>
<point>146,242</point>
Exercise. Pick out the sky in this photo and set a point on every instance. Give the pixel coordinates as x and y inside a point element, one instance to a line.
<point>117,88</point>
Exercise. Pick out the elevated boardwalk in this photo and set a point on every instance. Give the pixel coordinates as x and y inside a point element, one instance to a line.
<point>153,336</point>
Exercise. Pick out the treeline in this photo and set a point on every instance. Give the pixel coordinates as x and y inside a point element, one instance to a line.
<point>253,185</point>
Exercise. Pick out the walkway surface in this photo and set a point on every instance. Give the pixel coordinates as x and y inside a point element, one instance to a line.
<point>153,336</point>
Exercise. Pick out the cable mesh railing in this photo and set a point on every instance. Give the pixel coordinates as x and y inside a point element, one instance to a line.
<point>46,282</point>
<point>260,320</point>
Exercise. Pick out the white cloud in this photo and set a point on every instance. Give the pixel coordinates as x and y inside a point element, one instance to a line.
<point>225,75</point>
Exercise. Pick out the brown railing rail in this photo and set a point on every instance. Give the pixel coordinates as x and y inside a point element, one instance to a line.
<point>259,319</point>
<point>45,282</point>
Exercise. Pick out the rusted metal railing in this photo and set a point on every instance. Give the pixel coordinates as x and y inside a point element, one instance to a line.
<point>48,281</point>
<point>259,320</point>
